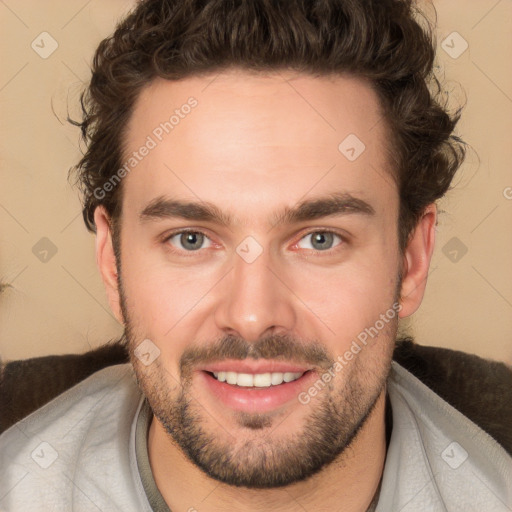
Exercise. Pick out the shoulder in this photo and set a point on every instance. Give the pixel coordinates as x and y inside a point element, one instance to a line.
<point>438,458</point>
<point>27,385</point>
<point>71,450</point>
<point>87,396</point>
<point>479,388</point>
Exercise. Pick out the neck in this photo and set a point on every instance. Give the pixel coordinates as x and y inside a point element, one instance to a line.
<point>351,481</point>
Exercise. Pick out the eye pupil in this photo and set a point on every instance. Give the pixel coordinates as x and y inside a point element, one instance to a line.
<point>191,240</point>
<point>321,238</point>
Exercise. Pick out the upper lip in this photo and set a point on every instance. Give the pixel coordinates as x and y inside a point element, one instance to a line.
<point>255,366</point>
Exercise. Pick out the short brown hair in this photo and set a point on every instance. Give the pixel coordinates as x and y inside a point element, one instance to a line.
<point>378,40</point>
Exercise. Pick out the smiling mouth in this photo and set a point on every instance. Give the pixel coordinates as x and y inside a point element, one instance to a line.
<point>256,380</point>
<point>260,391</point>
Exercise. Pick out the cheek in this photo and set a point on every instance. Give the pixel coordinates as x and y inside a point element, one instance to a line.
<point>158,295</point>
<point>346,299</point>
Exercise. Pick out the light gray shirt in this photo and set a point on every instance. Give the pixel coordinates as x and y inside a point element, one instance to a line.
<point>87,451</point>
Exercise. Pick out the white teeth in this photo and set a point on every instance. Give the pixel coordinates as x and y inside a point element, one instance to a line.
<point>277,378</point>
<point>230,377</point>
<point>262,380</point>
<point>289,376</point>
<point>245,379</point>
<point>258,380</point>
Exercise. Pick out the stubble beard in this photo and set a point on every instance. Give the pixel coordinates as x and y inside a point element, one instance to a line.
<point>253,457</point>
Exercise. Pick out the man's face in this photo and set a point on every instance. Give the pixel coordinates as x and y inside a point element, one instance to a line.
<point>262,293</point>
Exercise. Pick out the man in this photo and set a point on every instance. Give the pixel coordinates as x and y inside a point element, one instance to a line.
<point>261,177</point>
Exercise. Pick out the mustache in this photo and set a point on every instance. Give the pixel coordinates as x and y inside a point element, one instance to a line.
<point>277,347</point>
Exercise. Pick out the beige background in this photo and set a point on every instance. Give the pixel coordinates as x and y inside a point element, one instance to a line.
<point>59,306</point>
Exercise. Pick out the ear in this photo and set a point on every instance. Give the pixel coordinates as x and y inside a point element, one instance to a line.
<point>106,261</point>
<point>416,262</point>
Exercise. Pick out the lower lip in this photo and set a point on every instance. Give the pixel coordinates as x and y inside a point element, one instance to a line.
<point>256,400</point>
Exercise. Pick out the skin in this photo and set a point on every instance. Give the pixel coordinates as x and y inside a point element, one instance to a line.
<point>257,143</point>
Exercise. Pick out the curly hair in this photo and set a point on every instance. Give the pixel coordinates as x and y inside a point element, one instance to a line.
<point>380,41</point>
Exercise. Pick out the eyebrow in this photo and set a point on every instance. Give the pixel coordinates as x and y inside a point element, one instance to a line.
<point>332,205</point>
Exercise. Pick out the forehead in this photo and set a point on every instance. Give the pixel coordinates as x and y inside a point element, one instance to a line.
<point>238,137</point>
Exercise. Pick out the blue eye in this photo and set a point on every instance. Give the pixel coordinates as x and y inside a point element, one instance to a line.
<point>188,240</point>
<point>320,240</point>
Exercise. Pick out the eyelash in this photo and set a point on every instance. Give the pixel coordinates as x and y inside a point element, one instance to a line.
<point>185,253</point>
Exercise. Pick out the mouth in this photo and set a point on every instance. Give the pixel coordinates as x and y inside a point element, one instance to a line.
<point>258,380</point>
<point>242,387</point>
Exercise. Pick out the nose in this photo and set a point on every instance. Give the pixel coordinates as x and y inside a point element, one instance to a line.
<point>254,300</point>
